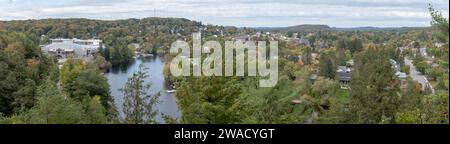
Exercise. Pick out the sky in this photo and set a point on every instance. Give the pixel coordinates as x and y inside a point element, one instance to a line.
<point>241,13</point>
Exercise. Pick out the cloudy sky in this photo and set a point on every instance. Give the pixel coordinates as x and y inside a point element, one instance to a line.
<point>251,13</point>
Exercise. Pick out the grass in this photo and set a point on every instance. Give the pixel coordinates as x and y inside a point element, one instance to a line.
<point>299,108</point>
<point>343,96</point>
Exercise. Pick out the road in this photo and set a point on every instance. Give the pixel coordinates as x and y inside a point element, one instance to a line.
<point>416,75</point>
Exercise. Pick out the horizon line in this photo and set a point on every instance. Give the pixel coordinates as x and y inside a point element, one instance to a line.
<point>207,23</point>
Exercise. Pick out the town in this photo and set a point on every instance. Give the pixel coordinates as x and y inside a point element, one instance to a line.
<point>215,58</point>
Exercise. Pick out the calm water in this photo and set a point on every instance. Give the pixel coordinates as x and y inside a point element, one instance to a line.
<point>117,78</point>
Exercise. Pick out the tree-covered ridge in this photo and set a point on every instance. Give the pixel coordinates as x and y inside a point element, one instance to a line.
<point>153,35</point>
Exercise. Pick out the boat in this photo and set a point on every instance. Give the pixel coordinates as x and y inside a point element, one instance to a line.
<point>146,55</point>
<point>171,91</point>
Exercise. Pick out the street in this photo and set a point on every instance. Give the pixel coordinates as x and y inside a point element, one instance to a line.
<point>416,75</point>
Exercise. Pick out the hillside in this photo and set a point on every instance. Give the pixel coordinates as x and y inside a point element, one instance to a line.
<point>315,27</point>
<point>297,28</point>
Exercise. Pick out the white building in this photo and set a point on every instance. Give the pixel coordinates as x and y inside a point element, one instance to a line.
<point>62,48</point>
<point>423,52</point>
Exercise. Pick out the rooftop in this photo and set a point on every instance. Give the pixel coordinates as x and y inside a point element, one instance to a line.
<point>76,46</point>
<point>344,73</point>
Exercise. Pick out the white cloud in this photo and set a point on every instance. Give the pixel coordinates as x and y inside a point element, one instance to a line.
<point>343,13</point>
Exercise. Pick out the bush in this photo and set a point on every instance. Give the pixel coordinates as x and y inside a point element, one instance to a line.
<point>405,69</point>
<point>435,73</point>
<point>422,66</point>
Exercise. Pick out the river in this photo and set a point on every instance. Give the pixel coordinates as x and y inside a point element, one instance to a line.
<point>117,77</point>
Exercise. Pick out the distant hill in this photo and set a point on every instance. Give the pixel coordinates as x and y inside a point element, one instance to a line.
<point>312,27</point>
<point>308,27</point>
<point>370,28</point>
<point>297,28</point>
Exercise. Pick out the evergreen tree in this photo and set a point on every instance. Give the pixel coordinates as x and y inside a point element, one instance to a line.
<point>327,68</point>
<point>373,98</point>
<point>138,104</point>
<point>208,100</point>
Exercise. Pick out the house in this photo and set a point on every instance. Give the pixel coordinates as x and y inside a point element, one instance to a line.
<point>312,78</point>
<point>304,41</point>
<point>344,74</point>
<point>438,44</point>
<point>242,38</point>
<point>423,52</point>
<point>315,56</point>
<point>62,48</point>
<point>350,63</point>
<point>400,77</point>
<point>321,44</point>
<point>434,65</point>
<point>294,35</point>
<point>293,58</point>
<point>394,65</point>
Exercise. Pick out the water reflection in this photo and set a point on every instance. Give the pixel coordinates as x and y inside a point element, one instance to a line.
<point>117,77</point>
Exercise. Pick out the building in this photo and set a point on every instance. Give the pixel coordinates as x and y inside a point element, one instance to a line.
<point>62,48</point>
<point>350,63</point>
<point>304,41</point>
<point>423,52</point>
<point>313,78</point>
<point>400,77</point>
<point>242,38</point>
<point>293,58</point>
<point>294,35</point>
<point>394,65</point>
<point>438,44</point>
<point>344,74</point>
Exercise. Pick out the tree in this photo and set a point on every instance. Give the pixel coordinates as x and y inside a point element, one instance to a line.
<point>138,104</point>
<point>91,82</point>
<point>94,112</point>
<point>271,110</point>
<point>323,87</point>
<point>355,45</point>
<point>53,107</point>
<point>327,68</point>
<point>373,97</point>
<point>117,50</point>
<point>405,69</point>
<point>422,67</point>
<point>307,55</point>
<point>416,44</point>
<point>22,68</point>
<point>409,117</point>
<point>291,68</point>
<point>435,73</point>
<point>341,48</point>
<point>101,63</point>
<point>435,108</point>
<point>440,23</point>
<point>209,100</point>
